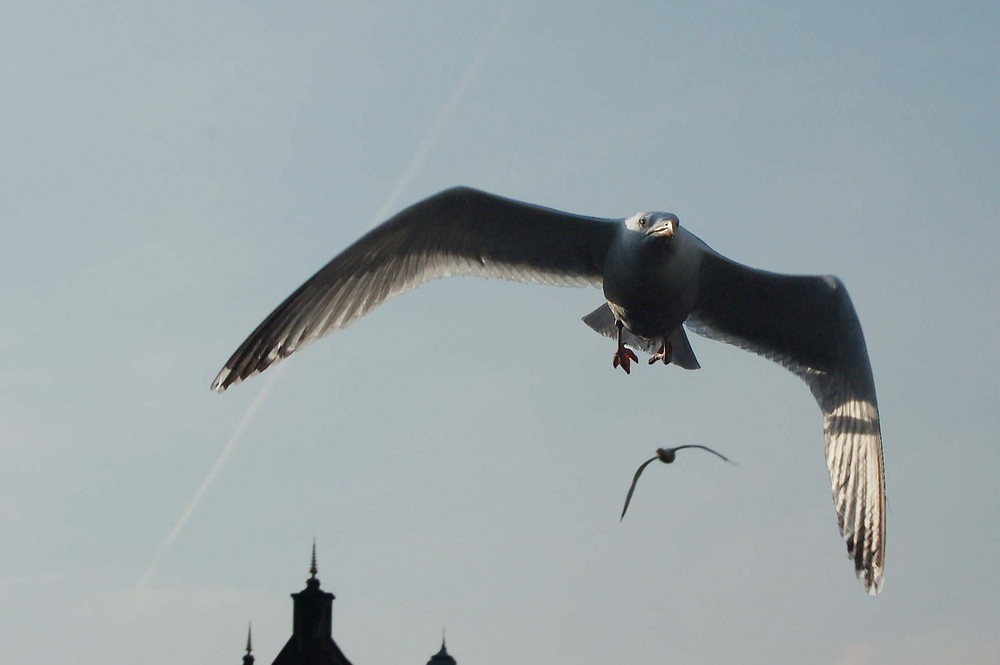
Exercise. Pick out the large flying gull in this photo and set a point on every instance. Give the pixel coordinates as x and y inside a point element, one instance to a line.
<point>656,276</point>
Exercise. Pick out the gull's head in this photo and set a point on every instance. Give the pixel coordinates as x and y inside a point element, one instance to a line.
<point>658,225</point>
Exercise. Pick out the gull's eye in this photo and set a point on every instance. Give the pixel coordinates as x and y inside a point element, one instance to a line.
<point>642,221</point>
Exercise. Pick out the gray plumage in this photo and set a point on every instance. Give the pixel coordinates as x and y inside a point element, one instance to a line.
<point>656,277</point>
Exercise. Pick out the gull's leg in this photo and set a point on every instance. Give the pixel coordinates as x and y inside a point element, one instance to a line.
<point>624,355</point>
<point>663,354</point>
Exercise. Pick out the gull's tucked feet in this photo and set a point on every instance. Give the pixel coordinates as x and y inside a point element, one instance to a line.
<point>666,349</point>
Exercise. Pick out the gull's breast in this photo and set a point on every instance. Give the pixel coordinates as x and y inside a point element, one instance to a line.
<point>653,292</point>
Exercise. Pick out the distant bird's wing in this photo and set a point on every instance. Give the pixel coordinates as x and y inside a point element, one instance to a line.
<point>635,479</point>
<point>460,231</point>
<point>808,324</point>
<point>716,453</point>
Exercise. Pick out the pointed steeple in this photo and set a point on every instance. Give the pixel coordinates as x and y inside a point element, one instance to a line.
<point>312,641</point>
<point>313,581</point>
<point>248,658</point>
<point>442,657</point>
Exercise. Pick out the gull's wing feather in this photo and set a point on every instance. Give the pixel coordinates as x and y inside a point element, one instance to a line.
<point>714,452</point>
<point>635,479</point>
<point>459,231</point>
<point>808,324</point>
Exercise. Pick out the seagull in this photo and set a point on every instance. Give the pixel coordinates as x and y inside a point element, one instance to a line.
<point>657,277</point>
<point>667,456</point>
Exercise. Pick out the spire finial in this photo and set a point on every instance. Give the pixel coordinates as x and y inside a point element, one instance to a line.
<point>442,657</point>
<point>312,568</point>
<point>248,658</point>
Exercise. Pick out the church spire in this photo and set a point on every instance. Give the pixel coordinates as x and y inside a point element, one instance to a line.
<point>442,657</point>
<point>248,658</point>
<point>312,641</point>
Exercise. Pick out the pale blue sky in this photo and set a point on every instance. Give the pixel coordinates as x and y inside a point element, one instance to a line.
<point>169,172</point>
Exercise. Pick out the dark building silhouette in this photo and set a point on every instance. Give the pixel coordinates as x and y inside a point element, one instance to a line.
<point>312,641</point>
<point>442,657</point>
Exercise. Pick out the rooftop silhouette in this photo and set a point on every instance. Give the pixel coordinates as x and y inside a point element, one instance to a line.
<point>312,640</point>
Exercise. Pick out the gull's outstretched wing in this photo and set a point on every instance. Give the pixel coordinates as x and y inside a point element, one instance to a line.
<point>635,479</point>
<point>459,231</point>
<point>701,447</point>
<point>808,324</point>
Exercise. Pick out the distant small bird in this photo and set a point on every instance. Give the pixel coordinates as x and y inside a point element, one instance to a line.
<point>667,456</point>
<point>657,278</point>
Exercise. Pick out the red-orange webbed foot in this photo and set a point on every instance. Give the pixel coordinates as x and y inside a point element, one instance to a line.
<point>666,349</point>
<point>624,357</point>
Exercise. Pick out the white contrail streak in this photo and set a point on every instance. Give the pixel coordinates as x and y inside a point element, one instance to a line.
<point>220,461</point>
<point>440,124</point>
<point>430,139</point>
